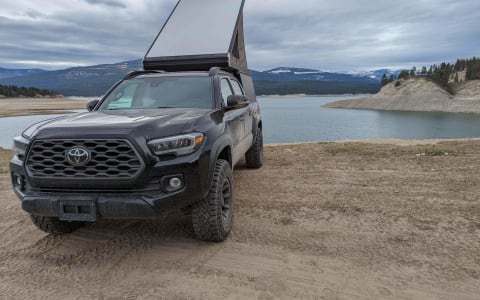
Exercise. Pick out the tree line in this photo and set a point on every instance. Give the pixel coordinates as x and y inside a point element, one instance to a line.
<point>443,74</point>
<point>15,91</point>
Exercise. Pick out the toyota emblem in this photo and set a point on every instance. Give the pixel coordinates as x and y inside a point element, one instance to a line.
<point>78,156</point>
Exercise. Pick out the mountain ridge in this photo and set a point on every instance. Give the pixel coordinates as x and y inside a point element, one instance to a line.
<point>9,73</point>
<point>97,79</point>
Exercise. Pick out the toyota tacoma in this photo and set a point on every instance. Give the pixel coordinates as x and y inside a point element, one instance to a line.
<point>157,142</point>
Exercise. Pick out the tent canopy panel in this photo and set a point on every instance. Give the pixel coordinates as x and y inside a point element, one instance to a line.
<point>196,27</point>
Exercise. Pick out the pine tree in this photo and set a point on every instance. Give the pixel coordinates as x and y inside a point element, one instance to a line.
<point>403,74</point>
<point>384,79</point>
<point>413,71</point>
<point>424,71</point>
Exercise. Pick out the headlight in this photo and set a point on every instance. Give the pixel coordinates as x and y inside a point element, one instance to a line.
<point>20,145</point>
<point>177,145</point>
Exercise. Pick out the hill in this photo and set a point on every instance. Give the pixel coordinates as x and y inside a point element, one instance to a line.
<point>314,87</point>
<point>8,73</point>
<point>78,81</point>
<point>419,94</point>
<point>284,74</point>
<point>96,80</point>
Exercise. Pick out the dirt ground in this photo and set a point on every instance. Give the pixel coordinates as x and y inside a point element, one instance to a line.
<point>319,221</point>
<point>11,107</point>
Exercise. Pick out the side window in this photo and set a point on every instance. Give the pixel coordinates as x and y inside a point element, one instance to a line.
<point>237,89</point>
<point>225,89</point>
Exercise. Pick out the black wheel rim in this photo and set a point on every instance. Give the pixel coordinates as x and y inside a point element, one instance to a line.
<point>226,201</point>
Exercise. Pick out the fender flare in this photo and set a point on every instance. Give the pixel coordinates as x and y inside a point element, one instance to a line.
<point>217,148</point>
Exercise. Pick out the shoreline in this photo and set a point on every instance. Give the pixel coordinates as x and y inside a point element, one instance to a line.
<point>347,104</point>
<point>307,95</point>
<point>395,142</point>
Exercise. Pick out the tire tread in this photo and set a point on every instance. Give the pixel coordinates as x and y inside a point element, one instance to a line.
<point>206,215</point>
<point>54,225</point>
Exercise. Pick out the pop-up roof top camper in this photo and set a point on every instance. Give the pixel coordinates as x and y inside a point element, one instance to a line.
<point>199,35</point>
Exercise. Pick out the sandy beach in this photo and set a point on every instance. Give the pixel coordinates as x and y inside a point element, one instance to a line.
<point>11,107</point>
<point>352,220</point>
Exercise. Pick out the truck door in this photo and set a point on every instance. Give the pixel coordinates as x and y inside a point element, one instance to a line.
<point>233,118</point>
<point>247,112</point>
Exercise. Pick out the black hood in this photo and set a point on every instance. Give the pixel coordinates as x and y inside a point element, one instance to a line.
<point>149,123</point>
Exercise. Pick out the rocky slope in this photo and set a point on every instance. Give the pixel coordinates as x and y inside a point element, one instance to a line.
<point>419,94</point>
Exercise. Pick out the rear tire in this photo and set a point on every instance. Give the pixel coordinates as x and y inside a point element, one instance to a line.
<point>54,225</point>
<point>212,217</point>
<point>254,156</point>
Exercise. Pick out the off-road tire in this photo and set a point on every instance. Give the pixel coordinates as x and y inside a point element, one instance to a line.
<point>254,155</point>
<point>212,217</point>
<point>54,225</point>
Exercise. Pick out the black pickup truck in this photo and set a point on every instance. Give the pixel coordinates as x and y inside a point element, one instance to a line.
<point>158,141</point>
<point>163,138</point>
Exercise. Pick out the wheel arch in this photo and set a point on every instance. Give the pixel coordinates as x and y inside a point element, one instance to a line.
<point>222,149</point>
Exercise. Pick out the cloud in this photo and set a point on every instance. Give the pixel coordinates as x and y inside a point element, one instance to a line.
<point>357,34</point>
<point>321,34</point>
<point>111,3</point>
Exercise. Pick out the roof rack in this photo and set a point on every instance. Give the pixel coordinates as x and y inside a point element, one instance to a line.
<point>133,74</point>
<point>215,70</point>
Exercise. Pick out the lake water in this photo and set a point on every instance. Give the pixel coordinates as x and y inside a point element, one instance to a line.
<point>289,120</point>
<point>303,119</point>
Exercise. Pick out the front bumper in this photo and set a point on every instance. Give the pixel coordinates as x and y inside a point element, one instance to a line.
<point>105,206</point>
<point>149,200</point>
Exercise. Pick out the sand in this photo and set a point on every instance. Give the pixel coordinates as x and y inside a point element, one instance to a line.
<point>11,107</point>
<point>319,221</point>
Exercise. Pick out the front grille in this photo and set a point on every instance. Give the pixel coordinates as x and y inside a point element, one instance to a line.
<point>109,159</point>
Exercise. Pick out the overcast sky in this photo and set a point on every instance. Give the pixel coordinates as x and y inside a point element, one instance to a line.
<point>322,34</point>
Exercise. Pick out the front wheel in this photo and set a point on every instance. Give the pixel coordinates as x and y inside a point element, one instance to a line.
<point>212,217</point>
<point>54,225</point>
<point>254,156</point>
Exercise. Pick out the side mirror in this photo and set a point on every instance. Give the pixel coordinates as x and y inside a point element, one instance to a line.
<point>91,104</point>
<point>237,101</point>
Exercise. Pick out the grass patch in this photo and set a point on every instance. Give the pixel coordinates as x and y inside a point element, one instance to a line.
<point>335,149</point>
<point>435,150</point>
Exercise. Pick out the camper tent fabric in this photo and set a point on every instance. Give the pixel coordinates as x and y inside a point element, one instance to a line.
<point>199,35</point>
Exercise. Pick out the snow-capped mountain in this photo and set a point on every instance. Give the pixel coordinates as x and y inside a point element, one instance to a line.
<point>297,74</point>
<point>376,74</point>
<point>95,80</point>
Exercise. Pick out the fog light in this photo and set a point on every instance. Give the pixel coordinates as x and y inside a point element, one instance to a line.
<point>175,183</point>
<point>18,181</point>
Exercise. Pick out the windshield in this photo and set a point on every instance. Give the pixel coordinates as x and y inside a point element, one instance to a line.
<point>161,92</point>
